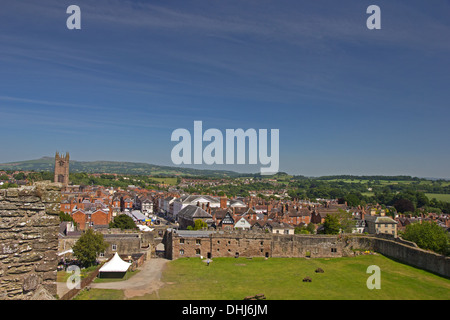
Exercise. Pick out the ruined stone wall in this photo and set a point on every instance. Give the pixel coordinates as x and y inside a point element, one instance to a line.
<point>404,251</point>
<point>29,225</point>
<point>124,244</point>
<point>413,256</point>
<point>252,244</point>
<point>217,244</point>
<point>314,246</point>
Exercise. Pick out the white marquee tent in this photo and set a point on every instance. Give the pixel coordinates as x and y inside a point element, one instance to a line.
<point>114,267</point>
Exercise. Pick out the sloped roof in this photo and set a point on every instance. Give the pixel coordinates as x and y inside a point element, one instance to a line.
<point>116,264</point>
<point>191,211</point>
<point>192,199</point>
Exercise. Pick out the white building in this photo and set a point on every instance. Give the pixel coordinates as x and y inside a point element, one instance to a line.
<point>242,223</point>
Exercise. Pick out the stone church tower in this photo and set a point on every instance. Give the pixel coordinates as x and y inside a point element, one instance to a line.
<point>62,169</point>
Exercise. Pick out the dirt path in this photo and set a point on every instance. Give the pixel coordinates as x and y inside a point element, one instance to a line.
<point>146,281</point>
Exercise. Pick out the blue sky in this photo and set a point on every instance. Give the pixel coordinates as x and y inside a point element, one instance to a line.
<point>347,100</point>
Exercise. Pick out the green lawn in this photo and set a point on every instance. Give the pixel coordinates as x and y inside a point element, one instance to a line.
<point>438,196</point>
<point>62,276</point>
<point>281,279</point>
<point>100,294</point>
<point>166,180</point>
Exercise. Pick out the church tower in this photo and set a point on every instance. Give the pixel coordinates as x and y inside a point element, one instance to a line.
<point>62,168</point>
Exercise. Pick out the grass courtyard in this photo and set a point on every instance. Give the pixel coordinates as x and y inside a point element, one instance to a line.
<point>281,279</point>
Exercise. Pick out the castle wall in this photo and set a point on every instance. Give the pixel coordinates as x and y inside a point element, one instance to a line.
<point>29,226</point>
<point>409,253</point>
<point>314,246</point>
<point>253,244</point>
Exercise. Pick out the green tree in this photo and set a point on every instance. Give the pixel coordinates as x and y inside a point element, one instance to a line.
<point>352,200</point>
<point>88,247</point>
<point>429,236</point>
<point>331,225</point>
<point>20,176</point>
<point>65,217</point>
<point>122,221</point>
<point>301,230</point>
<point>404,205</point>
<point>311,228</point>
<point>198,225</point>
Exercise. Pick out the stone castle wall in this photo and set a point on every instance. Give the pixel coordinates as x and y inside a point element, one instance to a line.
<point>249,244</point>
<point>29,226</point>
<point>405,252</point>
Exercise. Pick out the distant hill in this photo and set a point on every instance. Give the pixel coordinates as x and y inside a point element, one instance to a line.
<point>132,168</point>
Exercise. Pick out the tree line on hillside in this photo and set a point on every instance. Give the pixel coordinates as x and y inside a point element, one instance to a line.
<point>404,197</point>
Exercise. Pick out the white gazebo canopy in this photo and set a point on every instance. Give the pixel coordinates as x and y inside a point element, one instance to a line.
<point>116,264</point>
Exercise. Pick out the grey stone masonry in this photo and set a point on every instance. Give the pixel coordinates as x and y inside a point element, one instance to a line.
<point>29,225</point>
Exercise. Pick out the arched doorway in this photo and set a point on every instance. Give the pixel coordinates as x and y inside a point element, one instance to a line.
<point>160,250</point>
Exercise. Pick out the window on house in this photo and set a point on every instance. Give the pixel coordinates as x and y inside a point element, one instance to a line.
<point>198,241</point>
<point>181,252</point>
<point>197,251</point>
<point>114,247</point>
<point>181,241</point>
<point>333,250</point>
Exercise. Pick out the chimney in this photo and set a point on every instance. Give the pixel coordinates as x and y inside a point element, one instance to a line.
<point>223,202</point>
